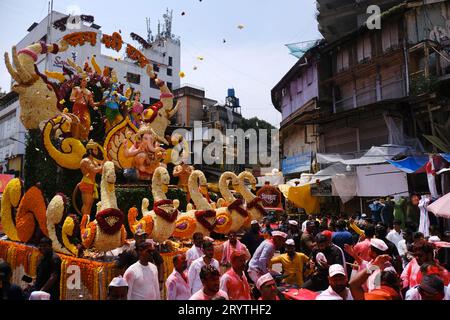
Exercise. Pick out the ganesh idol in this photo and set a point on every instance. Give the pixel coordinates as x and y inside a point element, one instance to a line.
<point>146,152</point>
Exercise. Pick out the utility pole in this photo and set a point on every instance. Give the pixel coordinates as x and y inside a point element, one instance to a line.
<point>49,29</point>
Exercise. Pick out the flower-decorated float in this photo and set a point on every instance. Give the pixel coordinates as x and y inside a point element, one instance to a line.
<point>84,125</point>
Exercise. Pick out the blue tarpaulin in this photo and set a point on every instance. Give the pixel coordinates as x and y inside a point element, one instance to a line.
<point>410,164</point>
<point>446,156</point>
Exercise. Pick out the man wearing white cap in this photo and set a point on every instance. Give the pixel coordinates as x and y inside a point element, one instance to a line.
<point>118,289</point>
<point>293,263</point>
<point>259,264</point>
<point>338,285</point>
<point>377,248</point>
<point>268,288</point>
<point>39,295</point>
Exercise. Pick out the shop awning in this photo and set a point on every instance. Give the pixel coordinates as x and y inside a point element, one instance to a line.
<point>411,164</point>
<point>374,156</point>
<point>446,156</point>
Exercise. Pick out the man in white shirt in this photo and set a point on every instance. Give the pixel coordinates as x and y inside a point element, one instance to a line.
<point>259,264</point>
<point>310,218</point>
<point>430,288</point>
<point>338,285</point>
<point>395,235</point>
<point>142,276</point>
<point>195,251</point>
<point>195,283</point>
<point>210,289</point>
<point>177,283</point>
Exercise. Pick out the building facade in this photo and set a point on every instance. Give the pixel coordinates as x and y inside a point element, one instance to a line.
<point>373,87</point>
<point>296,97</point>
<point>12,135</point>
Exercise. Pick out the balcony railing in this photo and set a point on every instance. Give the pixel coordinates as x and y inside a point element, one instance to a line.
<point>392,88</point>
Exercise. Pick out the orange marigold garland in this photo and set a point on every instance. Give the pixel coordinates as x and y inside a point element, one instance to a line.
<point>223,222</point>
<point>32,207</point>
<point>185,227</point>
<point>87,231</point>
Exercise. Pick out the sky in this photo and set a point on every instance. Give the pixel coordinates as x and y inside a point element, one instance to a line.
<point>252,60</point>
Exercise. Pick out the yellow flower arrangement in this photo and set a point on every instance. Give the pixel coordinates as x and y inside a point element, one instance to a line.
<point>10,201</point>
<point>67,230</point>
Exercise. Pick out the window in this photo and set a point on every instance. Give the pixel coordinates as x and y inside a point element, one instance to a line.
<point>155,67</point>
<point>342,60</point>
<point>170,61</point>
<point>364,48</point>
<point>169,85</point>
<point>153,84</point>
<point>390,37</point>
<point>309,76</point>
<point>169,71</point>
<point>133,78</point>
<point>299,84</point>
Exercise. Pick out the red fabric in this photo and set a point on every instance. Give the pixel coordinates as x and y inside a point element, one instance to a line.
<point>237,206</point>
<point>201,216</point>
<point>103,224</point>
<point>383,293</point>
<point>254,204</point>
<point>300,294</point>
<point>169,217</point>
<point>4,179</point>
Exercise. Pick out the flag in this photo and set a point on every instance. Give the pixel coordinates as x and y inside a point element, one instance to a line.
<point>431,176</point>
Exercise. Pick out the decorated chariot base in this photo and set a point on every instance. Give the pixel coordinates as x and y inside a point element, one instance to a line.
<point>86,127</point>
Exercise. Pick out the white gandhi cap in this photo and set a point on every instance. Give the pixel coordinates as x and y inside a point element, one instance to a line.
<point>263,279</point>
<point>379,244</point>
<point>118,282</point>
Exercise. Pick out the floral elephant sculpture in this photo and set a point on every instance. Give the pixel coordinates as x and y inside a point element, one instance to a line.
<point>56,215</point>
<point>107,231</point>
<point>158,223</point>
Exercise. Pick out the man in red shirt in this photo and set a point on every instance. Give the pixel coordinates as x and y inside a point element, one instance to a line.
<point>362,249</point>
<point>234,281</point>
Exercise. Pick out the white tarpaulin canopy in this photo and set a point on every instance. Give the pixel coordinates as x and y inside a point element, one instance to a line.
<point>380,181</point>
<point>373,156</point>
<point>274,180</point>
<point>441,207</point>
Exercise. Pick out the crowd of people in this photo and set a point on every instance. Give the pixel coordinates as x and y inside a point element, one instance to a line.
<point>334,257</point>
